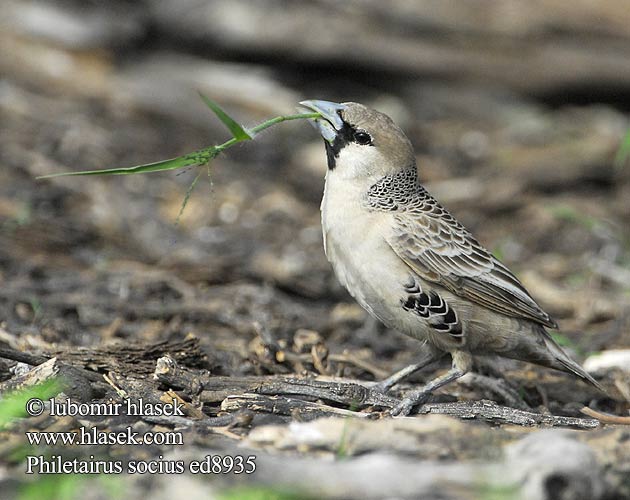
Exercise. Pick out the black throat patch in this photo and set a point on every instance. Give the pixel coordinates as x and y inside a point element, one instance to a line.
<point>344,136</point>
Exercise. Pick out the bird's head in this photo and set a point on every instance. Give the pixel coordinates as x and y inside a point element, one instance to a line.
<point>361,142</point>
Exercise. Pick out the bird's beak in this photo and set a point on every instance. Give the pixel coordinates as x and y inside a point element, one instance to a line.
<point>330,122</point>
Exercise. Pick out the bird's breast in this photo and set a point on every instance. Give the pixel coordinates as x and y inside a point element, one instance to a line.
<point>355,245</point>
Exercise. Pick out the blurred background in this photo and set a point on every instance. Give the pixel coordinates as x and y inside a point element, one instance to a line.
<point>517,110</point>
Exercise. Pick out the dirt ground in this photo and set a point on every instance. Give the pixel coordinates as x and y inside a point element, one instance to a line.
<point>235,310</point>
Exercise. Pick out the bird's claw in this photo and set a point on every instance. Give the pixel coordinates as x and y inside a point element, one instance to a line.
<point>383,387</point>
<point>404,408</point>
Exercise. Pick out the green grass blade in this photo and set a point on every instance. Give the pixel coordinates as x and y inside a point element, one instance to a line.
<point>200,157</point>
<point>624,152</point>
<point>237,130</point>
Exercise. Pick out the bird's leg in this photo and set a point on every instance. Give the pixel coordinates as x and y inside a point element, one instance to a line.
<point>462,363</point>
<point>386,384</point>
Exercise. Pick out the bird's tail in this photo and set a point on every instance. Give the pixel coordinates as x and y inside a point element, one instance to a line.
<point>564,363</point>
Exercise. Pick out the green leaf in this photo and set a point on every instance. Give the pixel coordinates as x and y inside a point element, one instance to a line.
<point>237,130</point>
<point>13,404</point>
<point>200,157</point>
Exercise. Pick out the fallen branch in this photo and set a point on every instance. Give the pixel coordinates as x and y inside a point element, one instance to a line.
<point>492,412</point>
<point>280,405</point>
<point>350,394</point>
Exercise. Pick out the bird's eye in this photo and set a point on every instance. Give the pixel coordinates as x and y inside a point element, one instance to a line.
<point>362,137</point>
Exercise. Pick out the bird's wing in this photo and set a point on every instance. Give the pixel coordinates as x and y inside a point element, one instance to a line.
<point>440,250</point>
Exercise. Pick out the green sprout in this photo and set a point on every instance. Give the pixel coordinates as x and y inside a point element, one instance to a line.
<point>623,153</point>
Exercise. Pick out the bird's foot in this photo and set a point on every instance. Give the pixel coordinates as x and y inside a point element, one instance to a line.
<point>421,395</point>
<point>404,408</point>
<point>383,386</point>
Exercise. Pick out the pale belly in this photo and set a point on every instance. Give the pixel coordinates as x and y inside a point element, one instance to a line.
<point>364,263</point>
